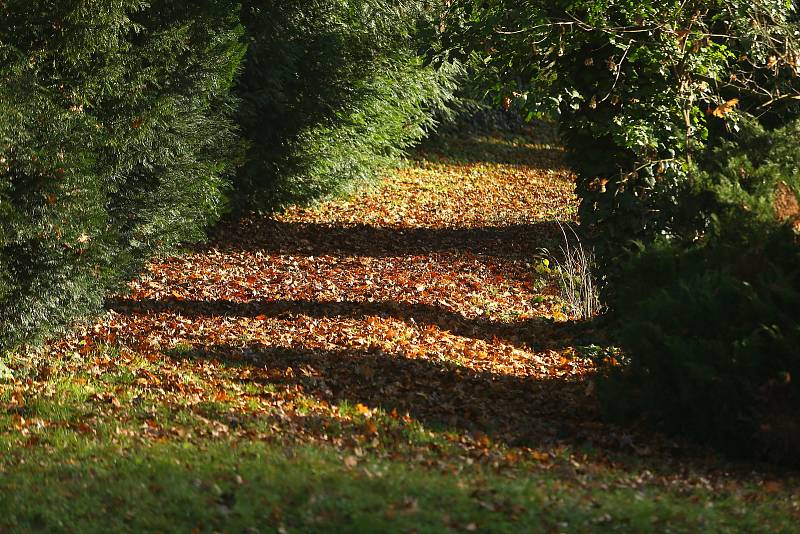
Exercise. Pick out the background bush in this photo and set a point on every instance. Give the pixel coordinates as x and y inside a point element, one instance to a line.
<point>711,326</point>
<point>114,139</point>
<point>333,90</point>
<point>634,86</point>
<point>117,138</point>
<point>678,120</point>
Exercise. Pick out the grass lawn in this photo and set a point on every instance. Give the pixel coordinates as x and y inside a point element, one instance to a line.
<point>103,455</point>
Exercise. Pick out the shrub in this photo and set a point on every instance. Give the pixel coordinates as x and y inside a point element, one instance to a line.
<point>639,90</point>
<point>333,91</point>
<point>711,325</point>
<point>649,97</point>
<point>114,138</point>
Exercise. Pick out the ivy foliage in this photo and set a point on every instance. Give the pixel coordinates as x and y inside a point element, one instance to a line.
<point>115,136</point>
<point>332,92</point>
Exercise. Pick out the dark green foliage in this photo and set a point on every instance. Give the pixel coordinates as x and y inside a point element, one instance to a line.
<point>114,138</point>
<point>333,91</point>
<point>177,138</point>
<point>632,84</point>
<point>645,94</point>
<point>711,325</point>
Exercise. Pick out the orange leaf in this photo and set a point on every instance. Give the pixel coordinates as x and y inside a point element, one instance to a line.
<point>725,108</point>
<point>540,456</point>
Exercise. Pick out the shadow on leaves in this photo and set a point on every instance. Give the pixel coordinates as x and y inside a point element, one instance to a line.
<point>516,241</point>
<point>535,334</point>
<point>516,410</point>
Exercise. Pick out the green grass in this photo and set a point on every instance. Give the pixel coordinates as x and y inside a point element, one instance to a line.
<point>76,484</point>
<point>73,461</point>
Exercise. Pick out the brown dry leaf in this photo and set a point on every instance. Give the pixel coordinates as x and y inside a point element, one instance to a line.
<point>372,428</point>
<point>725,108</point>
<point>772,62</point>
<point>540,456</point>
<point>787,207</point>
<point>18,421</point>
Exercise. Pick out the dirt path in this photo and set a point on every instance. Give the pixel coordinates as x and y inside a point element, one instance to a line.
<point>418,297</point>
<point>415,305</point>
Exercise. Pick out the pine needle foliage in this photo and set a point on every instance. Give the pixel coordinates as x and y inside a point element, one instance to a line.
<point>333,91</point>
<point>115,136</point>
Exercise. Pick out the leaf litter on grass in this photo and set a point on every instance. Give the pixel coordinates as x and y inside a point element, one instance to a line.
<point>405,323</point>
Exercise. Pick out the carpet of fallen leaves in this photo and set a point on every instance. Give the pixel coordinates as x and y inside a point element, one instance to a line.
<point>405,322</point>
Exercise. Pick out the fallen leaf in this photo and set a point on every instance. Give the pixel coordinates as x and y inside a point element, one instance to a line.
<point>725,108</point>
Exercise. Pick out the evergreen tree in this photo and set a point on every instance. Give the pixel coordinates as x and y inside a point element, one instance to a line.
<point>333,90</point>
<point>114,139</point>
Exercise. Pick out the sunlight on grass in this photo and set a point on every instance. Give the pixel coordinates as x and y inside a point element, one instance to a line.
<point>97,485</point>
